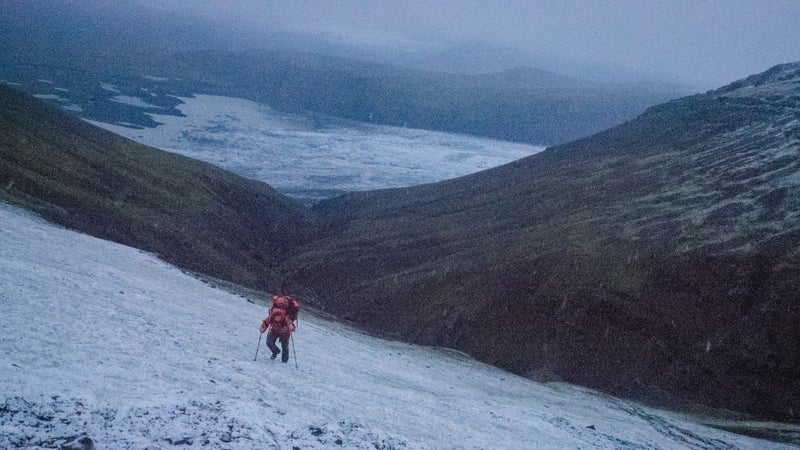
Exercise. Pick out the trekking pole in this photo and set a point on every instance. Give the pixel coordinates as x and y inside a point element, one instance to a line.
<point>291,336</point>
<point>259,345</point>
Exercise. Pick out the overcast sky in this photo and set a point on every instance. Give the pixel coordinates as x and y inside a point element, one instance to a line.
<point>706,42</point>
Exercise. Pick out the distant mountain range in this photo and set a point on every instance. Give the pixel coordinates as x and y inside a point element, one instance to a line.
<point>657,259</point>
<point>86,57</point>
<point>520,104</point>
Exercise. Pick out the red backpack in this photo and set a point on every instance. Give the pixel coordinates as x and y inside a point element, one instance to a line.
<point>280,321</point>
<point>287,304</point>
<point>280,301</point>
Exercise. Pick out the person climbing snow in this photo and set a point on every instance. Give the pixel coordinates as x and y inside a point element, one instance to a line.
<point>280,323</point>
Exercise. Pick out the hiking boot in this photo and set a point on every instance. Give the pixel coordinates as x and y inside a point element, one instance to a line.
<point>274,355</point>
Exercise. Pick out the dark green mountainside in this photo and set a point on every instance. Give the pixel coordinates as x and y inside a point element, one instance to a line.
<point>659,259</point>
<point>190,213</point>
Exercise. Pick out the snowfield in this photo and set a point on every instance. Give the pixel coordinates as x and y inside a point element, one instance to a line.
<point>108,342</point>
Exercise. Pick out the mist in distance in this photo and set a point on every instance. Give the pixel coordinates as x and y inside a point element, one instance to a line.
<point>704,44</point>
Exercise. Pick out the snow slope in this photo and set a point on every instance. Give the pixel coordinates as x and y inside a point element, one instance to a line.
<point>107,341</point>
<point>316,158</point>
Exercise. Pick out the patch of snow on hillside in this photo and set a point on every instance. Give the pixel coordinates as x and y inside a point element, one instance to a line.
<point>133,101</point>
<point>64,102</point>
<point>109,87</point>
<point>108,342</point>
<point>73,107</point>
<point>50,97</point>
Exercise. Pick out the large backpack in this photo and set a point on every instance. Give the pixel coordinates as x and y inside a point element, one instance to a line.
<point>280,301</point>
<point>292,309</point>
<point>287,304</point>
<point>280,321</point>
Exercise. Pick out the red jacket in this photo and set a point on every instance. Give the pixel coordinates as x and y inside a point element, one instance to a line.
<point>280,322</point>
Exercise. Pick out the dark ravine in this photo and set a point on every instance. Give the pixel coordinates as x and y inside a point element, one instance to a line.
<point>657,260</point>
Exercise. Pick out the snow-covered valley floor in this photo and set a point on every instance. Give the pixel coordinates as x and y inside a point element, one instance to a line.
<point>315,158</point>
<point>109,342</point>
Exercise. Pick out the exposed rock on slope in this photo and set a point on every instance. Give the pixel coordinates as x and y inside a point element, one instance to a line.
<point>658,259</point>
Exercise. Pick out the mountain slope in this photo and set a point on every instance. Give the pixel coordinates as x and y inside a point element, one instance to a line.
<point>190,213</point>
<point>658,259</point>
<point>105,342</point>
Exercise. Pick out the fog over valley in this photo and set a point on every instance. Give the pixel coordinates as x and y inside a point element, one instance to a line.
<point>704,44</point>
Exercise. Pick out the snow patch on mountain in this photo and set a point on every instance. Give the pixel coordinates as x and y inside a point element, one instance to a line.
<point>133,101</point>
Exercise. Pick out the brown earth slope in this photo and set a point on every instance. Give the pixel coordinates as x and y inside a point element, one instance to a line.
<point>657,260</point>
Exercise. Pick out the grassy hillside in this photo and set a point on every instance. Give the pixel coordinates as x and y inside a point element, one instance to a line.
<point>190,213</point>
<point>658,259</point>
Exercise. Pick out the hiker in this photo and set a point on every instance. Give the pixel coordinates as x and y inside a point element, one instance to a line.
<point>280,322</point>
